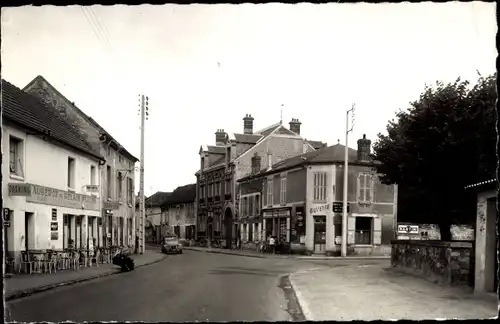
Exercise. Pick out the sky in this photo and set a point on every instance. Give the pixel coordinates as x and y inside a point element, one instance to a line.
<point>204,67</point>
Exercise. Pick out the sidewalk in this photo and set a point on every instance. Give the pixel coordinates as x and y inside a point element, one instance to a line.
<point>255,254</point>
<point>378,293</point>
<point>22,285</point>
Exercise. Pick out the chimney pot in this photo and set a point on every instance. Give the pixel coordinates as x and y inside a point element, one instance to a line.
<point>248,124</point>
<point>364,149</point>
<point>220,137</point>
<point>295,125</point>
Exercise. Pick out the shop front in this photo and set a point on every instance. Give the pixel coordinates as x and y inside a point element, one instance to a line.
<point>320,228</point>
<point>277,223</point>
<point>46,218</point>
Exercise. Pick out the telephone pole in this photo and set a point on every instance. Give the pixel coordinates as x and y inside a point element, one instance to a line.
<point>346,165</point>
<point>144,113</point>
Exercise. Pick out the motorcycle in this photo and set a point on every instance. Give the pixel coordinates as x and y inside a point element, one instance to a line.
<point>123,260</point>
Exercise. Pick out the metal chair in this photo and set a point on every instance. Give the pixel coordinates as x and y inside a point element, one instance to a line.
<point>27,262</point>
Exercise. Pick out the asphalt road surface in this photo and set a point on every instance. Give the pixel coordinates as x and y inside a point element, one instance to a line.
<point>194,286</point>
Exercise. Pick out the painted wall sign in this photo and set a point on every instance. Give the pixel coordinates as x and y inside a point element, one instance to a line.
<point>55,197</point>
<point>54,215</point>
<point>54,236</point>
<point>318,209</point>
<point>338,207</point>
<point>6,215</point>
<point>19,189</point>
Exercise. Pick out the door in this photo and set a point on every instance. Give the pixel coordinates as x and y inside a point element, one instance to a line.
<point>319,234</point>
<point>29,231</point>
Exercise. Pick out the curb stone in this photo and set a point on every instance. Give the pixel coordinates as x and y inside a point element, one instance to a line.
<point>32,291</point>
<point>278,256</point>
<point>304,305</point>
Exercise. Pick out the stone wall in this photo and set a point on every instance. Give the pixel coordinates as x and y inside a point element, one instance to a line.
<point>440,262</point>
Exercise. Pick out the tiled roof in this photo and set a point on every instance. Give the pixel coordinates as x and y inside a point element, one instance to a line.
<point>157,199</point>
<point>216,149</point>
<point>247,138</point>
<point>181,195</point>
<point>114,142</point>
<point>330,154</point>
<point>317,144</point>
<point>26,110</point>
<point>267,130</point>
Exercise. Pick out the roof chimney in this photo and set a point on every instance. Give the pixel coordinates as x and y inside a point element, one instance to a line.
<point>220,137</point>
<point>295,125</point>
<point>256,163</point>
<point>248,124</point>
<point>364,149</point>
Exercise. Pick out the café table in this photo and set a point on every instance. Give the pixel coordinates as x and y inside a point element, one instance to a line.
<point>37,257</point>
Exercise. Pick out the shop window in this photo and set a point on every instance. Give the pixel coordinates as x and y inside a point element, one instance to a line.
<point>363,234</point>
<point>319,186</point>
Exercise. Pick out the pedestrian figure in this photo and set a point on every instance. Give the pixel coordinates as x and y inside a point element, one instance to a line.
<point>272,244</point>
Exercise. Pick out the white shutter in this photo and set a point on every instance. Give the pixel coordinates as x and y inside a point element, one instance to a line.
<point>351,227</point>
<point>377,230</point>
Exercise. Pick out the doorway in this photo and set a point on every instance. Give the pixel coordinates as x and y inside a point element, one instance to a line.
<point>228,220</point>
<point>319,234</point>
<point>29,231</point>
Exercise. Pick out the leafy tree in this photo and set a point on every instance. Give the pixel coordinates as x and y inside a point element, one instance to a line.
<point>445,141</point>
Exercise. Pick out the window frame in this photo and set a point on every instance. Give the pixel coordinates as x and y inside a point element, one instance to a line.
<point>71,175</point>
<point>363,187</point>
<point>319,186</point>
<point>270,184</point>
<point>283,190</point>
<point>17,169</point>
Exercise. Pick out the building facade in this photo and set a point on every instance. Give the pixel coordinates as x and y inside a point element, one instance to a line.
<point>231,159</point>
<point>179,211</point>
<point>486,237</point>
<point>50,182</point>
<point>117,174</point>
<point>302,201</point>
<point>154,220</point>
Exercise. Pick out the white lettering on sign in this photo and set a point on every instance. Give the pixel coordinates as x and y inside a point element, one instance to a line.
<point>408,229</point>
<point>318,209</point>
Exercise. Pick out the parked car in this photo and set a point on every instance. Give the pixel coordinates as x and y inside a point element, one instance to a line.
<point>171,244</point>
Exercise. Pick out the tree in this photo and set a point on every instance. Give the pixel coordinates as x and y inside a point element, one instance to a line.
<point>445,141</point>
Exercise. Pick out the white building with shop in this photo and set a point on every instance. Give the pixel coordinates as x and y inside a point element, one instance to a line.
<point>50,184</point>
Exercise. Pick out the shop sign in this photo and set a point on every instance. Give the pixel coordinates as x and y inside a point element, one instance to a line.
<point>283,213</point>
<point>54,236</point>
<point>322,208</point>
<point>19,189</point>
<point>54,226</point>
<point>54,214</point>
<point>268,214</point>
<point>338,207</point>
<point>6,215</point>
<point>408,229</point>
<point>54,197</point>
<point>112,205</point>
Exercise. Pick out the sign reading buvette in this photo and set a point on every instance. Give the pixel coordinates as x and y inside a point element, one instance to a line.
<point>54,197</point>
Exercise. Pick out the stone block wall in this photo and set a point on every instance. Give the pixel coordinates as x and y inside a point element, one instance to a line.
<point>440,262</point>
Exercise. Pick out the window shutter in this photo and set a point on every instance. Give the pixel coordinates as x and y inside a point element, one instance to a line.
<point>351,227</point>
<point>358,186</point>
<point>377,230</point>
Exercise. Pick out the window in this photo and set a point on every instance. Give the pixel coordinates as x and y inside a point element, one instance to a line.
<point>228,155</point>
<point>251,211</point>
<point>319,186</point>
<point>15,156</point>
<point>228,186</point>
<point>120,184</point>
<point>257,205</point>
<point>92,175</point>
<point>283,191</point>
<point>365,188</point>
<point>217,189</point>
<point>71,173</point>
<point>120,158</point>
<point>108,181</point>
<point>202,164</point>
<point>202,192</point>
<point>210,190</point>
<point>250,232</point>
<point>269,192</point>
<point>363,233</point>
<point>130,190</point>
<point>245,206</point>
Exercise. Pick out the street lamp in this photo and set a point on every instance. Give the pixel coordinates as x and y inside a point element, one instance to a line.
<point>346,164</point>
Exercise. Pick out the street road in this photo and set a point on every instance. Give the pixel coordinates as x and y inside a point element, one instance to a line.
<point>194,286</point>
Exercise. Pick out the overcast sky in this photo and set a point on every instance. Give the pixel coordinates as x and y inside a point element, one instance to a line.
<point>315,60</point>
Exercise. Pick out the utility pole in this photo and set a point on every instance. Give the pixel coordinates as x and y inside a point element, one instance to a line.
<point>144,113</point>
<point>346,165</point>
